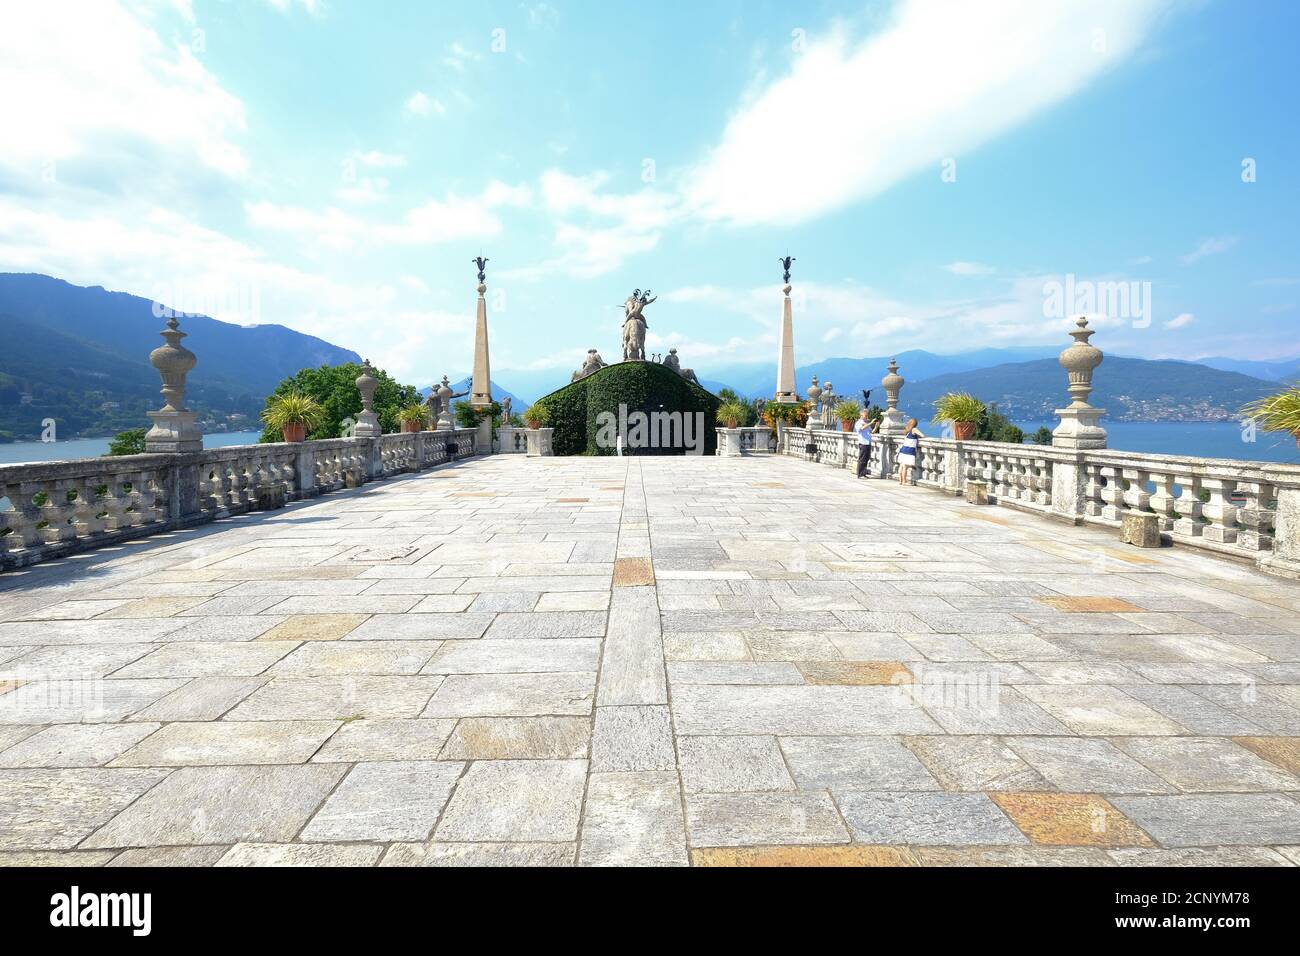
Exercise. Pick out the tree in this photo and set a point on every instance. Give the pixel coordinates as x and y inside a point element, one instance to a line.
<point>335,388</point>
<point>1043,436</point>
<point>994,426</point>
<point>730,395</point>
<point>129,442</point>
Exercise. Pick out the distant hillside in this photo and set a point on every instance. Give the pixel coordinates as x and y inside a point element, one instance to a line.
<point>81,356</point>
<point>1283,370</point>
<point>1129,389</point>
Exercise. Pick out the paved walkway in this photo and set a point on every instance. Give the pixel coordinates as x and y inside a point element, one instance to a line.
<point>652,661</point>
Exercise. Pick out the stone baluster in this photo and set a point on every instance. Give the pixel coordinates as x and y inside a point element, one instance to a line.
<point>1188,506</point>
<point>174,429</point>
<point>1220,510</point>
<point>1161,500</point>
<point>1255,516</point>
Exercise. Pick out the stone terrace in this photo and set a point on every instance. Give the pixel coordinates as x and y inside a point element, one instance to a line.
<point>654,661</point>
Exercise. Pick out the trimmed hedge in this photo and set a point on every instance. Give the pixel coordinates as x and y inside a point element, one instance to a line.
<point>639,386</point>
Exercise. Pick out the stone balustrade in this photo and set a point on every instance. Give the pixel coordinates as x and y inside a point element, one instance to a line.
<point>1244,509</point>
<point>51,509</point>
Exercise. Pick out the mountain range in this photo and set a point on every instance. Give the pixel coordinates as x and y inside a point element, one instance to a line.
<point>80,355</point>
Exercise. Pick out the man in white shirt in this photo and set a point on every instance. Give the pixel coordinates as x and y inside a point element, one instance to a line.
<point>864,428</point>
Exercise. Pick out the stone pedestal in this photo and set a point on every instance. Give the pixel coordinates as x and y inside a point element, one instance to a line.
<point>174,432</point>
<point>785,389</point>
<point>729,442</point>
<point>1140,528</point>
<point>506,438</point>
<point>1079,429</point>
<point>483,437</point>
<point>977,492</point>
<point>1284,559</point>
<point>539,442</point>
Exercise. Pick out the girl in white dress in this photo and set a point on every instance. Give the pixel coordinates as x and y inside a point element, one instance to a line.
<point>907,452</point>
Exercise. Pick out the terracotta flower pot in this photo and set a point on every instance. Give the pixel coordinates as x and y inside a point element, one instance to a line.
<point>964,431</point>
<point>846,424</point>
<point>295,432</point>
<point>1297,439</point>
<point>731,423</point>
<point>410,426</point>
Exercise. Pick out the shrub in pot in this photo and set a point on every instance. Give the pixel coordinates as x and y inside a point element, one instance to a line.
<point>294,414</point>
<point>847,412</point>
<point>731,413</point>
<point>1277,413</point>
<point>963,411</point>
<point>413,417</point>
<point>537,416</point>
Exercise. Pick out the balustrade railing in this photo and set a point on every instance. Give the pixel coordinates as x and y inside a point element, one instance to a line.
<point>50,509</point>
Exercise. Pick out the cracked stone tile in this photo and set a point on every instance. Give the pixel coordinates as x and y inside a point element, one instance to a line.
<point>517,738</point>
<point>371,740</point>
<point>1208,764</point>
<point>1222,819</point>
<point>203,805</point>
<point>762,819</point>
<point>383,802</point>
<point>56,809</point>
<point>300,854</point>
<point>633,819</point>
<point>854,763</point>
<point>732,765</point>
<point>511,801</point>
<point>75,745</point>
<point>479,854</point>
<point>228,742</point>
<point>337,698</point>
<point>631,738</point>
<point>975,763</point>
<point>936,819</point>
<point>513,695</point>
<point>1086,765</point>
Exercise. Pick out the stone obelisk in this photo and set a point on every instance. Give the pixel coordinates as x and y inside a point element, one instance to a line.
<point>785,387</point>
<point>480,390</point>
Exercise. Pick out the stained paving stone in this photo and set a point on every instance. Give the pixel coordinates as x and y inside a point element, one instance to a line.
<point>356,657</point>
<point>1282,751</point>
<point>512,695</point>
<point>503,657</point>
<point>225,742</point>
<point>56,809</point>
<point>479,854</point>
<point>942,819</point>
<point>855,672</point>
<point>511,801</point>
<point>1226,819</point>
<point>322,698</point>
<point>314,627</point>
<point>632,738</point>
<point>853,763</point>
<point>633,572</point>
<point>75,745</point>
<point>1087,765</point>
<point>732,765</point>
<point>972,763</point>
<point>633,819</point>
<point>762,819</point>
<point>204,698</point>
<point>383,802</point>
<point>803,856</point>
<point>1089,604</point>
<point>1070,819</point>
<point>706,646</point>
<point>1208,764</point>
<point>203,805</point>
<point>516,738</point>
<point>1098,710</point>
<point>371,740</point>
<point>168,856</point>
<point>300,854</point>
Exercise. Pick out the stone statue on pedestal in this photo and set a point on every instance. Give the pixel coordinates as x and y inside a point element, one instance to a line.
<point>436,403</point>
<point>634,325</point>
<point>592,363</point>
<point>673,362</point>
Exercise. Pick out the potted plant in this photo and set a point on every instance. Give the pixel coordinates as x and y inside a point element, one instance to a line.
<point>1277,413</point>
<point>964,411</point>
<point>537,416</point>
<point>730,413</point>
<point>413,417</point>
<point>294,414</point>
<point>847,412</point>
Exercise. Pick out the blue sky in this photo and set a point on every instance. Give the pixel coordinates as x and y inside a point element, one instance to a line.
<point>333,166</point>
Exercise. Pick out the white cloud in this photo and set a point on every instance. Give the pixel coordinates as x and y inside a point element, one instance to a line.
<point>380,160</point>
<point>969,269</point>
<point>1180,321</point>
<point>88,84</point>
<point>1209,247</point>
<point>457,56</point>
<point>420,103</point>
<point>851,118</point>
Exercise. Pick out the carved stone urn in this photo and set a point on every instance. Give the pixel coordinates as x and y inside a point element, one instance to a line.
<point>892,422</point>
<point>367,422</point>
<point>444,415</point>
<point>1079,426</point>
<point>173,425</point>
<point>814,404</point>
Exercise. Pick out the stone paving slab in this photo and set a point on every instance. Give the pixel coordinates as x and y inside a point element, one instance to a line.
<point>640,661</point>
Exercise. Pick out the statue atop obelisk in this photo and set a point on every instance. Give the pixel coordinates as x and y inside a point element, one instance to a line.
<point>481,386</point>
<point>785,388</point>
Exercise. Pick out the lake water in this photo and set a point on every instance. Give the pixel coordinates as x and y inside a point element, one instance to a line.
<point>1204,439</point>
<point>28,451</point>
